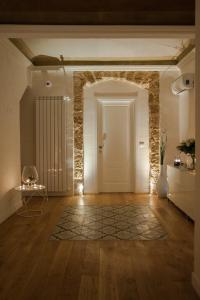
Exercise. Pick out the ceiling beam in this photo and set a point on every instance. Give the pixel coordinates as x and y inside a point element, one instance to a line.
<point>23,48</point>
<point>185,52</point>
<point>62,31</point>
<point>106,63</point>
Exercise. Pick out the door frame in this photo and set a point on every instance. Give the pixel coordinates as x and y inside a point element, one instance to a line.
<point>141,142</point>
<point>129,100</point>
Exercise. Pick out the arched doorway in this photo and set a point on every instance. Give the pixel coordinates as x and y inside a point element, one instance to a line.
<point>149,81</point>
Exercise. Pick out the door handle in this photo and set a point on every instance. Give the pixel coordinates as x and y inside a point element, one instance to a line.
<point>103,139</point>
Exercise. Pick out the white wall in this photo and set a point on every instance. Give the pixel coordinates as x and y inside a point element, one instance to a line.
<point>27,132</point>
<point>196,273</point>
<point>114,89</point>
<point>60,81</point>
<point>169,113</point>
<point>187,101</point>
<point>177,112</point>
<point>13,82</point>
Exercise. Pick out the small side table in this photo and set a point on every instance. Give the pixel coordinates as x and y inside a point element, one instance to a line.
<point>28,191</point>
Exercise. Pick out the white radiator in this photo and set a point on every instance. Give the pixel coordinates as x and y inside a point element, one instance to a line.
<point>51,143</point>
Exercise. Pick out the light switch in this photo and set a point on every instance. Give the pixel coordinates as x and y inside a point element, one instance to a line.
<point>141,144</point>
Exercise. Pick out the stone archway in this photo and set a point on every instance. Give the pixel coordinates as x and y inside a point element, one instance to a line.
<point>146,80</point>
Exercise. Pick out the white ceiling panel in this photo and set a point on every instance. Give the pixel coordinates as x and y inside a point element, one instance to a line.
<point>108,49</point>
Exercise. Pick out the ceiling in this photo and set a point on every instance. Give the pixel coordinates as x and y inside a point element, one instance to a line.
<point>98,12</point>
<point>104,51</point>
<point>107,49</point>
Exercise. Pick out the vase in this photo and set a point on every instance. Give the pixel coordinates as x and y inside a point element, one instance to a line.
<point>29,175</point>
<point>190,162</point>
<point>162,183</point>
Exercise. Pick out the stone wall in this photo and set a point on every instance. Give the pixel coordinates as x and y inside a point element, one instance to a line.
<point>146,80</point>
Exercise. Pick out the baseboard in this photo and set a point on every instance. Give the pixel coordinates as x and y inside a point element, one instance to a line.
<point>10,212</point>
<point>58,194</point>
<point>13,204</point>
<point>196,283</point>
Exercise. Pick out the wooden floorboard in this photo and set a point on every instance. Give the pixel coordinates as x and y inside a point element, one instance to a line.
<point>34,267</point>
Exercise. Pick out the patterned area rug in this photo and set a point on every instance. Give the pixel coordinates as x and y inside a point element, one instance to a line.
<point>119,222</point>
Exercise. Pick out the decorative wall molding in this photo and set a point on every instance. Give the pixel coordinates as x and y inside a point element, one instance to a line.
<point>187,59</point>
<point>146,80</point>
<point>186,51</point>
<point>111,68</point>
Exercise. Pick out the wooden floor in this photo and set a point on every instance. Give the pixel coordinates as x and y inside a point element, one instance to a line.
<point>33,267</point>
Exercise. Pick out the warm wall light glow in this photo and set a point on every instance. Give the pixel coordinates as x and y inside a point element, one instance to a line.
<point>81,200</point>
<point>80,189</point>
<point>152,188</point>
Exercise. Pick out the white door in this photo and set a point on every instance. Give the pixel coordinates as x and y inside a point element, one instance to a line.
<point>115,151</point>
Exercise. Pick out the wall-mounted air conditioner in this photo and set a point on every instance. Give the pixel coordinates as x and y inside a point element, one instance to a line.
<point>183,83</point>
